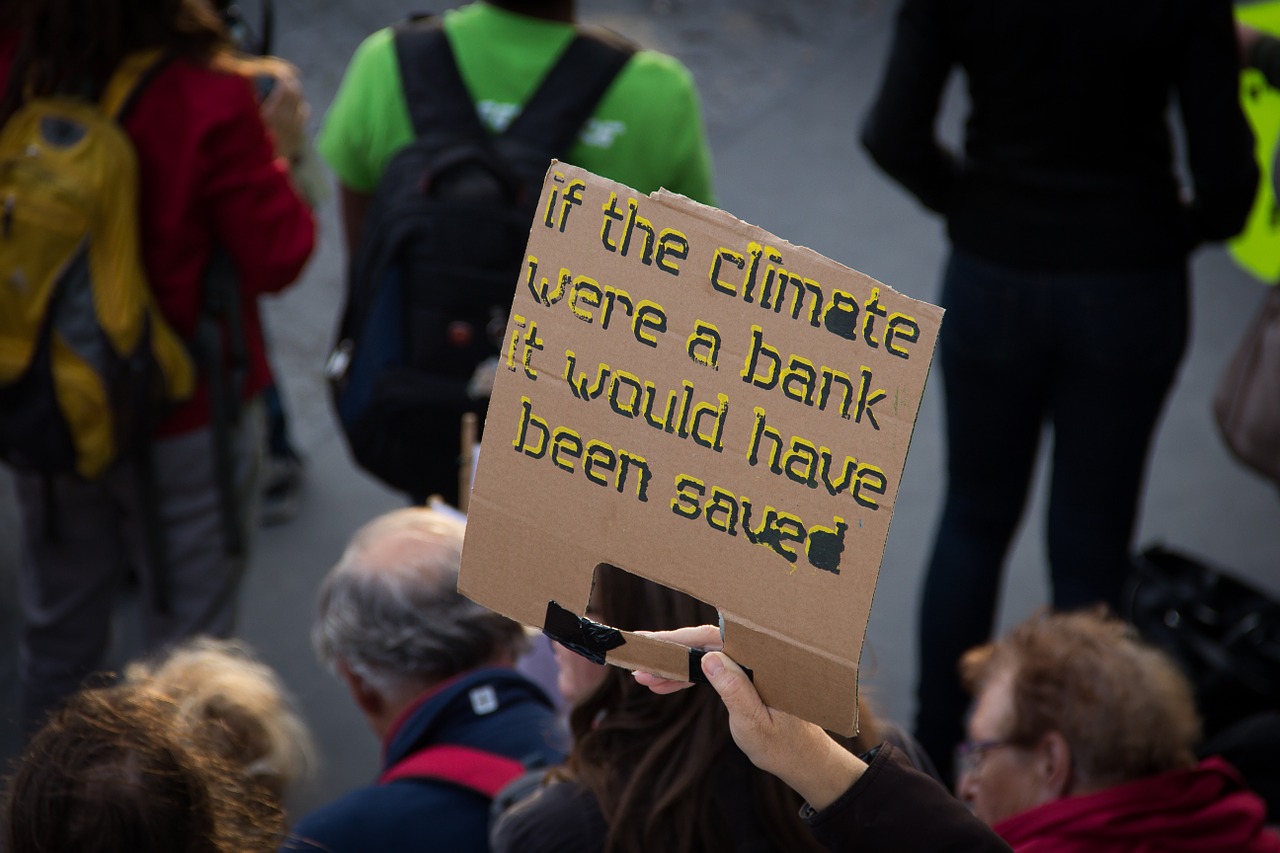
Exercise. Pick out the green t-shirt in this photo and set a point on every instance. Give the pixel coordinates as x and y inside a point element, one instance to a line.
<point>646,132</point>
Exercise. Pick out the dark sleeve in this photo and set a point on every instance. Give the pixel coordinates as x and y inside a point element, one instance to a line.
<point>1224,173</point>
<point>899,131</point>
<point>896,809</point>
<point>560,818</point>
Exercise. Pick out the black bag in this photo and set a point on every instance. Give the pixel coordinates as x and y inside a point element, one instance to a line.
<point>432,280</point>
<point>1222,632</point>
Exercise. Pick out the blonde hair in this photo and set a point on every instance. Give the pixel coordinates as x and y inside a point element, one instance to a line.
<point>234,704</point>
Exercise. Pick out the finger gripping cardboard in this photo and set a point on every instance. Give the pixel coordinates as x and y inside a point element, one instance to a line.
<point>690,398</point>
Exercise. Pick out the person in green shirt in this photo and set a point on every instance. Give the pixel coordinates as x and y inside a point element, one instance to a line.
<point>646,132</point>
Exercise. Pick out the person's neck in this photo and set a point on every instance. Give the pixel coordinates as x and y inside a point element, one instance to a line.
<point>396,704</point>
<point>551,10</point>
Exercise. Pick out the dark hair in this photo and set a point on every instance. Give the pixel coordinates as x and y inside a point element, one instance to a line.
<point>659,765</point>
<point>109,773</point>
<point>73,46</point>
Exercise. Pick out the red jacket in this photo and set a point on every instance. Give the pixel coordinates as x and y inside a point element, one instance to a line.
<point>209,176</point>
<point>1202,810</point>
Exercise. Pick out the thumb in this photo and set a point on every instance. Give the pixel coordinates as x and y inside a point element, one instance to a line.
<point>736,690</point>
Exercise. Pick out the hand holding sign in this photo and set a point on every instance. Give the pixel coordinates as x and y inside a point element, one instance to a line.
<point>799,753</point>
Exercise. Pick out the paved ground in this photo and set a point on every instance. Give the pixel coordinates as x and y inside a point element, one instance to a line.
<point>784,87</point>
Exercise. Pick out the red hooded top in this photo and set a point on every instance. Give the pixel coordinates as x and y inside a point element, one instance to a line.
<point>208,175</point>
<point>1203,810</point>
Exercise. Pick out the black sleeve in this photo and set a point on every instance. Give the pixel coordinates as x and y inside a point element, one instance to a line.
<point>899,130</point>
<point>896,809</point>
<point>1220,154</point>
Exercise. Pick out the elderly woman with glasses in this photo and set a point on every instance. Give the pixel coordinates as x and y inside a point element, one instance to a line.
<point>1082,738</point>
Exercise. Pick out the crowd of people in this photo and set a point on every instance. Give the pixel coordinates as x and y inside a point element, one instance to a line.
<point>1069,216</point>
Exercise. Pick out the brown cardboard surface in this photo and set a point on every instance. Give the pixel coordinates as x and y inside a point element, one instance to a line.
<point>666,367</point>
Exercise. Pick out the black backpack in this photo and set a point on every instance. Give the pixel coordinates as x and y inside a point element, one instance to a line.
<point>431,282</point>
<point>1222,632</point>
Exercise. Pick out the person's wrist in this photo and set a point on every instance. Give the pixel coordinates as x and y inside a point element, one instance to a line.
<point>819,769</point>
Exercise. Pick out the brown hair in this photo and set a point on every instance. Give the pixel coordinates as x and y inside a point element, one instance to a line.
<point>1123,706</point>
<point>110,772</point>
<point>657,764</point>
<point>73,46</point>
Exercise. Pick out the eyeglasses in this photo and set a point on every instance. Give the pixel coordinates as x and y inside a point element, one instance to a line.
<point>969,754</point>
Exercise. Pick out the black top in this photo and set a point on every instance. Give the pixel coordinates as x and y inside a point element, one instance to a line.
<point>1068,156</point>
<point>894,808</point>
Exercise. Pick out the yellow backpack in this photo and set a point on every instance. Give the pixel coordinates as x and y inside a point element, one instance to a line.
<point>87,362</point>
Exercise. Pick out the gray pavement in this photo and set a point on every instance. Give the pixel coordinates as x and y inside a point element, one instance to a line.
<point>784,87</point>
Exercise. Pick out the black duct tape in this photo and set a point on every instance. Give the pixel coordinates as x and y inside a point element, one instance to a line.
<point>695,667</point>
<point>579,634</point>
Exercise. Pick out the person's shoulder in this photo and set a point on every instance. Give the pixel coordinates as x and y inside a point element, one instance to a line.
<point>655,66</point>
<point>377,44</point>
<point>213,90</point>
<point>217,75</point>
<point>187,101</point>
<point>372,67</point>
<point>512,713</point>
<point>562,816</point>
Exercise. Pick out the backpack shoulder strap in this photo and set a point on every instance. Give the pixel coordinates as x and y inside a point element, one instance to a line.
<point>437,96</point>
<point>476,770</point>
<point>130,78</point>
<point>434,90</point>
<point>570,91</point>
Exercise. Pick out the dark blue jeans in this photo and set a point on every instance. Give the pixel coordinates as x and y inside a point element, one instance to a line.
<point>1090,355</point>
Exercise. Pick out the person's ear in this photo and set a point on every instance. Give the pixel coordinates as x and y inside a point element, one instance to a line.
<point>1054,765</point>
<point>369,700</point>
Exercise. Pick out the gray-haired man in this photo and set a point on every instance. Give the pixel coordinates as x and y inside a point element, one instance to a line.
<point>432,673</point>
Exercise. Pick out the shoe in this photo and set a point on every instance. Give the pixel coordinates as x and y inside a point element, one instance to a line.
<point>281,487</point>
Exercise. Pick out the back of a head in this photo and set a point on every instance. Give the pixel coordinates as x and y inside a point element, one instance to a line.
<point>391,609</point>
<point>659,766</point>
<point>230,701</point>
<point>105,775</point>
<point>111,772</point>
<point>73,46</point>
<point>1123,706</point>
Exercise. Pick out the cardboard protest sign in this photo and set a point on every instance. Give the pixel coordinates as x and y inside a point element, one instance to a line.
<point>689,398</point>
